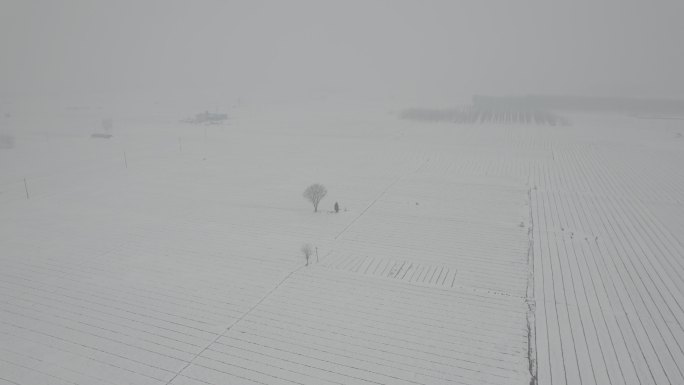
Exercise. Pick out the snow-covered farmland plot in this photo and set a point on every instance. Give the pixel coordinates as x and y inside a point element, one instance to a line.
<point>609,255</point>
<point>483,254</point>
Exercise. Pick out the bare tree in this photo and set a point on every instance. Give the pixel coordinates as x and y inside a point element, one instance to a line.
<point>6,141</point>
<point>314,194</point>
<point>307,250</point>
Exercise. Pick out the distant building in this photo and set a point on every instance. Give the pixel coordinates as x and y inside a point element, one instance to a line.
<point>209,117</point>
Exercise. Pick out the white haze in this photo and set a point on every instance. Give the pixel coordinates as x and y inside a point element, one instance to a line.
<point>157,220</point>
<point>384,49</point>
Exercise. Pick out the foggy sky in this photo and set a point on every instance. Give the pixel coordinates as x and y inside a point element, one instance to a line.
<point>600,47</point>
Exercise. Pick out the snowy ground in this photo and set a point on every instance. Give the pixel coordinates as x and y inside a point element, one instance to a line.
<point>609,255</point>
<point>184,267</point>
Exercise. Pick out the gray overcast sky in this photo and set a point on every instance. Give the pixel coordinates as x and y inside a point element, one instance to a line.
<point>372,47</point>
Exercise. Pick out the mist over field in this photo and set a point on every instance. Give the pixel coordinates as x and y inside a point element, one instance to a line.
<point>341,192</point>
<point>382,49</point>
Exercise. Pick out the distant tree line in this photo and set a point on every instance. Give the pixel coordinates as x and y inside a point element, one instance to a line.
<point>575,103</point>
<point>495,113</point>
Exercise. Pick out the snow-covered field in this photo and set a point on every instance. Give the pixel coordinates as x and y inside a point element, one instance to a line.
<point>459,253</point>
<point>609,255</point>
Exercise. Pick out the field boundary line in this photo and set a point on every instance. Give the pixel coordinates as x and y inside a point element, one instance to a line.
<point>245,314</point>
<point>530,297</point>
<point>374,201</point>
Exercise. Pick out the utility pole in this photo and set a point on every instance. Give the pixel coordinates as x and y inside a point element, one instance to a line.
<point>26,188</point>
